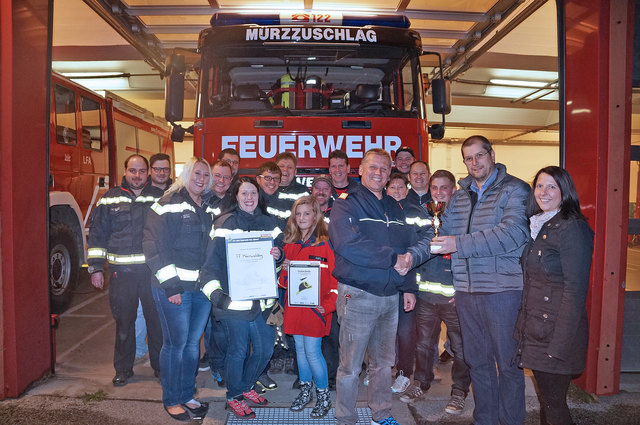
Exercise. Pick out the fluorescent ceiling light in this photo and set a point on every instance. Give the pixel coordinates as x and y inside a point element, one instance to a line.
<point>518,83</point>
<point>98,84</point>
<point>518,92</point>
<point>91,74</point>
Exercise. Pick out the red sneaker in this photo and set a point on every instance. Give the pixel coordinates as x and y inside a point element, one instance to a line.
<point>255,398</point>
<point>240,409</point>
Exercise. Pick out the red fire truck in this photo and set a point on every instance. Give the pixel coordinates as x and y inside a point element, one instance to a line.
<point>307,84</point>
<point>90,137</point>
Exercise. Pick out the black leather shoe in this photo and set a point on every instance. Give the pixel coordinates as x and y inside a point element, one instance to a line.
<point>445,357</point>
<point>198,412</point>
<point>266,381</point>
<point>182,417</point>
<point>296,384</point>
<point>121,379</point>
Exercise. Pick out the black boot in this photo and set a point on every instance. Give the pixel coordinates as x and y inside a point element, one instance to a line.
<point>323,403</point>
<point>303,398</point>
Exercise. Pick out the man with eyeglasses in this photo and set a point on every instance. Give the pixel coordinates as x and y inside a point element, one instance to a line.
<point>484,228</point>
<point>222,174</point>
<point>160,175</point>
<point>269,176</point>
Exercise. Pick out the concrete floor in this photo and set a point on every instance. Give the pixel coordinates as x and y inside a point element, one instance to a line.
<point>81,391</point>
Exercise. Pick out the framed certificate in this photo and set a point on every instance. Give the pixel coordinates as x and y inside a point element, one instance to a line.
<point>251,268</point>
<point>304,283</point>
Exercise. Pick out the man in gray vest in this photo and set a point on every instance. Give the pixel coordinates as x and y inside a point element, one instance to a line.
<point>485,230</point>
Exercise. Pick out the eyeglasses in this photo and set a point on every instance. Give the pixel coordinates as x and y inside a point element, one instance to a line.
<point>220,176</point>
<point>478,157</point>
<point>269,179</point>
<point>161,169</point>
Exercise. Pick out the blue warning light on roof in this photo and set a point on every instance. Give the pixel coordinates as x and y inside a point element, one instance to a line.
<point>310,18</point>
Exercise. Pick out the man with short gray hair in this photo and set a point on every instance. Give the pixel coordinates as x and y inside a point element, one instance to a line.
<point>368,232</point>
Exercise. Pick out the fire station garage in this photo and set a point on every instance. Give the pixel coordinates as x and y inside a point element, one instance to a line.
<point>86,83</point>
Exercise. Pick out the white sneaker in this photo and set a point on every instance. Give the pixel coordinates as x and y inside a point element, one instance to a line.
<point>401,384</point>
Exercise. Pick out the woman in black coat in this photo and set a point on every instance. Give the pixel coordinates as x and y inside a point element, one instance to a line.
<point>552,330</point>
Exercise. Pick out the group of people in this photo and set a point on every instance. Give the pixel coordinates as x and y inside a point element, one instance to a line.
<point>508,275</point>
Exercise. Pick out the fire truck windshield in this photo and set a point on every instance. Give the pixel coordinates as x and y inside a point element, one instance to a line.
<point>271,75</point>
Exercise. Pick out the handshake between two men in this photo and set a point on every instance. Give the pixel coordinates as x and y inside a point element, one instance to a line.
<point>439,245</point>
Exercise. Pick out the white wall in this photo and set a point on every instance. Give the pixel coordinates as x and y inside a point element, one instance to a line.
<point>522,161</point>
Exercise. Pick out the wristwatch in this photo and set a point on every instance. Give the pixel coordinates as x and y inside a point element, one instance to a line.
<point>93,269</point>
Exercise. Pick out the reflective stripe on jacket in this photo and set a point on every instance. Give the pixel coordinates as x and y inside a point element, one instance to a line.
<point>116,227</point>
<point>175,241</point>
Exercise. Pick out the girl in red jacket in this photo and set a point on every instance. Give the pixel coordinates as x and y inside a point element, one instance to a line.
<point>306,238</point>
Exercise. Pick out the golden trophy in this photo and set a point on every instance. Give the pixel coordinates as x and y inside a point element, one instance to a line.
<point>436,209</point>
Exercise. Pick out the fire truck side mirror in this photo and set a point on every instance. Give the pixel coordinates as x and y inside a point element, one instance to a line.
<point>174,88</point>
<point>441,94</point>
<point>436,131</point>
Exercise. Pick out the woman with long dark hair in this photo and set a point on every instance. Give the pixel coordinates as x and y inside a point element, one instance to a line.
<point>249,340</point>
<point>552,329</point>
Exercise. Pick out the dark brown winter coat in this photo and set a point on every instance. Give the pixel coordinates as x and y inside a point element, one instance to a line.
<point>552,330</point>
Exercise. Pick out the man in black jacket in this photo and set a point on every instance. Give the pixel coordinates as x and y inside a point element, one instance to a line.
<point>368,232</point>
<point>115,234</point>
<point>289,189</point>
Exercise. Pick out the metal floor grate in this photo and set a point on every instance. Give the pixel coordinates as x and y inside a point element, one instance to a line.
<point>284,416</point>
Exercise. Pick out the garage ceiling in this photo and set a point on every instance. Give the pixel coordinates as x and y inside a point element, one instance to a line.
<point>481,42</point>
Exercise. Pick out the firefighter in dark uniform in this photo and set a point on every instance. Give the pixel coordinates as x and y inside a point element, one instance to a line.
<point>290,190</point>
<point>175,242</point>
<point>269,176</point>
<point>115,234</point>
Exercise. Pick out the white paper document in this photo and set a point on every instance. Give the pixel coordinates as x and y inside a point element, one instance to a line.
<point>250,265</point>
<point>304,283</point>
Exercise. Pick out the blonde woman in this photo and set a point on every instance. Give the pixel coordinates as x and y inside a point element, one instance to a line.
<point>175,240</point>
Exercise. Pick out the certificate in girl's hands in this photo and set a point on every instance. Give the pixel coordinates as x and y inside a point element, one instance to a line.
<point>251,268</point>
<point>304,283</point>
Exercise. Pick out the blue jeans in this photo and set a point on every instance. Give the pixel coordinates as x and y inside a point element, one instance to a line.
<point>311,361</point>
<point>368,322</point>
<point>214,344</point>
<point>141,332</point>
<point>487,321</point>
<point>249,349</point>
<point>182,327</point>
